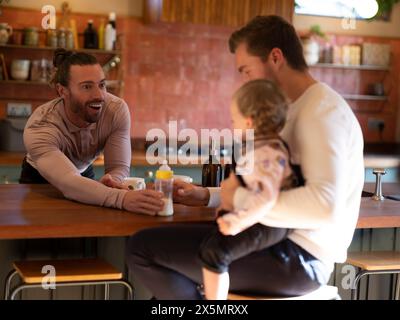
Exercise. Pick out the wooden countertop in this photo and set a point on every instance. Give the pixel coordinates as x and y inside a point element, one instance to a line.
<point>380,214</point>
<point>40,211</point>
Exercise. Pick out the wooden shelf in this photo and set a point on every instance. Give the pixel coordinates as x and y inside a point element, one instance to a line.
<point>24,82</point>
<point>351,67</point>
<point>93,51</point>
<point>364,97</point>
<point>109,83</point>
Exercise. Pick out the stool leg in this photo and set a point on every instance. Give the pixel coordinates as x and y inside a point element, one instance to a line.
<point>397,294</point>
<point>356,283</point>
<point>22,287</point>
<point>106,291</point>
<point>130,289</point>
<point>9,278</point>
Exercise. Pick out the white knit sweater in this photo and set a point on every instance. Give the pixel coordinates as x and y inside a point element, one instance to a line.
<point>325,138</point>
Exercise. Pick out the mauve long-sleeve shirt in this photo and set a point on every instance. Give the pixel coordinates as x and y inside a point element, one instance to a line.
<point>61,151</point>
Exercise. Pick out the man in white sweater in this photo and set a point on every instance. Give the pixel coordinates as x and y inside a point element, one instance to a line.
<point>325,140</point>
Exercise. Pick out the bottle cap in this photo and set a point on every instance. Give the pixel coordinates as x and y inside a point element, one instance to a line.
<point>90,21</point>
<point>112,16</point>
<point>164,172</point>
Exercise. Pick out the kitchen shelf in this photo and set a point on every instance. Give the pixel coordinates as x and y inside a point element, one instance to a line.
<point>364,97</point>
<point>93,51</point>
<point>109,83</point>
<point>351,67</point>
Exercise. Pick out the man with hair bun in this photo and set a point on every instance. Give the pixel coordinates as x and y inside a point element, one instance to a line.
<point>63,137</point>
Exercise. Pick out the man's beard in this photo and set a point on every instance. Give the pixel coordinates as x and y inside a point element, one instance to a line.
<point>82,110</point>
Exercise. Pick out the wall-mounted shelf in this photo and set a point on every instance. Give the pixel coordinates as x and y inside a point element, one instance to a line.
<point>109,83</point>
<point>93,51</point>
<point>364,97</point>
<point>351,67</point>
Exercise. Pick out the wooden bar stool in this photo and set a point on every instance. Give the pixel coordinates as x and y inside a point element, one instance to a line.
<point>374,262</point>
<point>322,293</point>
<point>75,272</point>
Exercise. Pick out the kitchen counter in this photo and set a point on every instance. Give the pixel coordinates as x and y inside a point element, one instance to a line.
<point>138,159</point>
<point>382,155</point>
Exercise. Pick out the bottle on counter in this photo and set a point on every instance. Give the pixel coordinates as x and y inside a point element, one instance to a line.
<point>164,183</point>
<point>212,171</point>
<point>90,37</point>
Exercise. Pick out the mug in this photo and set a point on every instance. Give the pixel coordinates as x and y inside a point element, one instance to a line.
<point>20,69</point>
<point>186,179</point>
<point>134,183</point>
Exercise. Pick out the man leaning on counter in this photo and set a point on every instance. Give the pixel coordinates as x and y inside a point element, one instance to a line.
<point>63,137</point>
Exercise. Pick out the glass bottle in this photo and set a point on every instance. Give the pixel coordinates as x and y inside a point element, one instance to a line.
<point>90,37</point>
<point>212,171</point>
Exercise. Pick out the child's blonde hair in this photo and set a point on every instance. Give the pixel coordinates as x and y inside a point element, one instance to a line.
<point>265,104</point>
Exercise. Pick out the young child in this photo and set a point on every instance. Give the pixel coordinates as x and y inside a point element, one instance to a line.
<point>261,106</point>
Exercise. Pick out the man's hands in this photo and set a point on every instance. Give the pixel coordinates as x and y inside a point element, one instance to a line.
<point>190,195</point>
<point>109,181</point>
<point>143,201</point>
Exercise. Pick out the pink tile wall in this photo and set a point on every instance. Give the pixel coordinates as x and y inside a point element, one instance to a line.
<point>178,72</point>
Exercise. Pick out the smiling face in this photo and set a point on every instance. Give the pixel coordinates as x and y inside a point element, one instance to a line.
<point>84,97</point>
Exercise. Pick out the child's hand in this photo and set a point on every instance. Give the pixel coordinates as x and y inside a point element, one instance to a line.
<point>226,227</point>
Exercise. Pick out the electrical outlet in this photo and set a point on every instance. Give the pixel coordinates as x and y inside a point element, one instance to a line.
<point>15,109</point>
<point>376,124</point>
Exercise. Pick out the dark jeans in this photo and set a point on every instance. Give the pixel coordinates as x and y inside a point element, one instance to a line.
<point>29,175</point>
<point>164,259</point>
<point>218,251</point>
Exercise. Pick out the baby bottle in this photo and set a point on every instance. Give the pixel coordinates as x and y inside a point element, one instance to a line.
<point>165,183</point>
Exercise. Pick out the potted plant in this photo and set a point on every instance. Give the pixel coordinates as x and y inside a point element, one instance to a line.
<point>385,8</point>
<point>311,46</point>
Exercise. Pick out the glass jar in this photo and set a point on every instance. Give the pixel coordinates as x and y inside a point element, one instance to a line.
<point>69,39</point>
<point>52,40</point>
<point>62,38</point>
<point>35,70</point>
<point>31,36</point>
<point>40,70</point>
